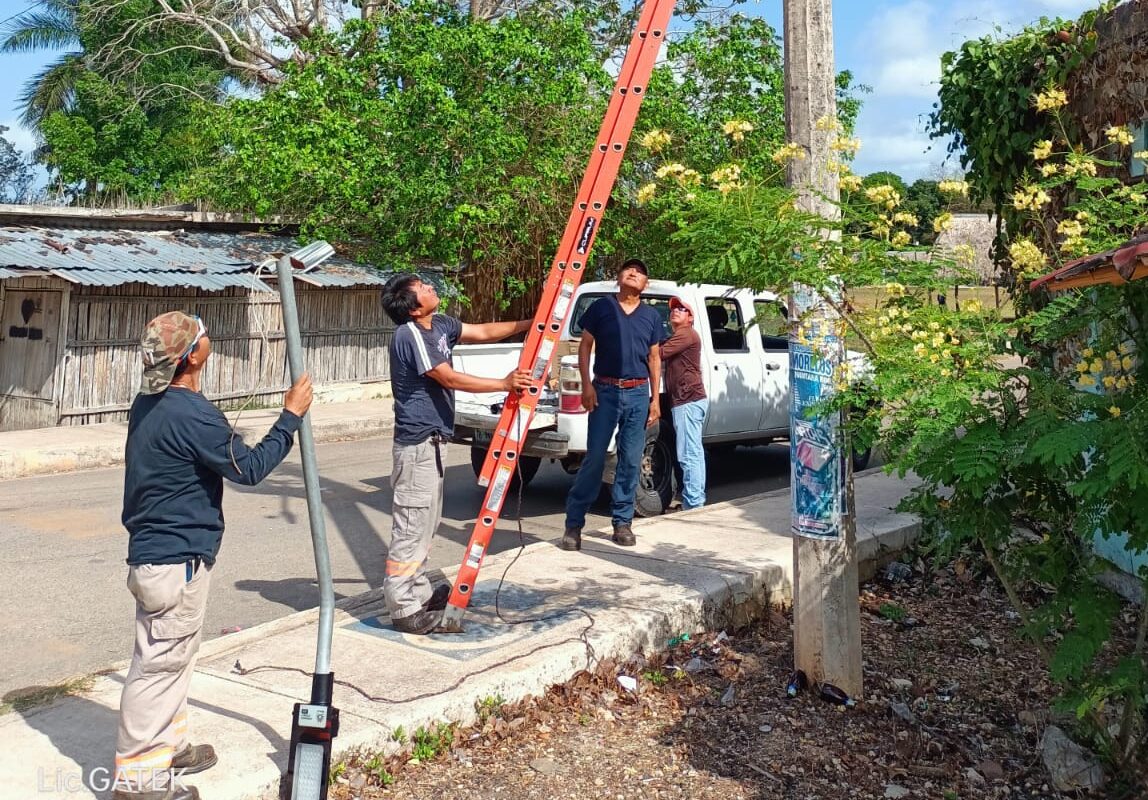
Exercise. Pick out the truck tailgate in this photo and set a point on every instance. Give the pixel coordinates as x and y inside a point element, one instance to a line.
<point>480,410</point>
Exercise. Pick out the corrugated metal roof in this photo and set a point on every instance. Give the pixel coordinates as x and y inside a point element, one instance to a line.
<point>1123,259</point>
<point>203,259</point>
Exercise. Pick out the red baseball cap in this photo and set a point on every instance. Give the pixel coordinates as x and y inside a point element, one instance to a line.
<point>676,302</point>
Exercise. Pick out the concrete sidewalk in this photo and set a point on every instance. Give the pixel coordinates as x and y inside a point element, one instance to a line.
<point>43,451</point>
<point>561,612</point>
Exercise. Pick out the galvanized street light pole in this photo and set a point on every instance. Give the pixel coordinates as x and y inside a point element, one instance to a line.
<point>313,724</point>
<point>826,630</point>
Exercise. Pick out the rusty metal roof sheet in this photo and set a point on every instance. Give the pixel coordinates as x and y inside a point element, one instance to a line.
<point>1124,259</point>
<point>208,260</point>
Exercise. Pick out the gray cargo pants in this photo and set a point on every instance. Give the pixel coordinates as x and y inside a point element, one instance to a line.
<point>170,604</point>
<point>417,481</point>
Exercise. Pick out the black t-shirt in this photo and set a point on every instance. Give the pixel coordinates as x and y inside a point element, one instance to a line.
<point>180,448</point>
<point>423,406</point>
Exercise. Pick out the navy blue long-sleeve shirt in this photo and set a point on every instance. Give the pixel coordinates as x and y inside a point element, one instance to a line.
<point>180,448</point>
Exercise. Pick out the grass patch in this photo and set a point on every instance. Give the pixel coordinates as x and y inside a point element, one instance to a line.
<point>22,700</point>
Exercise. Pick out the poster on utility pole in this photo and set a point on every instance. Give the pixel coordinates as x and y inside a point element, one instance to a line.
<point>817,480</point>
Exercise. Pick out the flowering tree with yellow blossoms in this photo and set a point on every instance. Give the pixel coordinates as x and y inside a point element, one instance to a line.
<point>1025,453</point>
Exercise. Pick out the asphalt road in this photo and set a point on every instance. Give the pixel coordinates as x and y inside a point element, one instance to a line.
<point>67,611</point>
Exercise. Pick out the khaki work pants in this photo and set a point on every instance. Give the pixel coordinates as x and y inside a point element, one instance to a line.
<point>170,604</point>
<point>417,481</point>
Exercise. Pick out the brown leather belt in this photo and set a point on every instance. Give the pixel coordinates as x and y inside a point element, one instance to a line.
<point>622,383</point>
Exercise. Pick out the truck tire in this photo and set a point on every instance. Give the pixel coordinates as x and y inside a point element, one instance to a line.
<point>527,467</point>
<point>656,478</point>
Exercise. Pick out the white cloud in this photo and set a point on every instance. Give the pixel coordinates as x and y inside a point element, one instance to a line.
<point>909,77</point>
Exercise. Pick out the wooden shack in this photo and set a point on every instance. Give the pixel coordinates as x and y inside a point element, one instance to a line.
<point>77,287</point>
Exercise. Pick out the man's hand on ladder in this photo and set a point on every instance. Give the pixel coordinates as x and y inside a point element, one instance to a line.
<point>517,381</point>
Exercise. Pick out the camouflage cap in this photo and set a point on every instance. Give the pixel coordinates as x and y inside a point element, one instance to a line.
<point>166,341</point>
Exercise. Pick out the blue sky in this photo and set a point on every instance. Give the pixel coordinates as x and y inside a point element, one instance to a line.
<point>892,46</point>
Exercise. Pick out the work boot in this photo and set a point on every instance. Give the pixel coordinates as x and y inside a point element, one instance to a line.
<point>170,793</point>
<point>194,758</point>
<point>438,598</point>
<point>624,536</point>
<point>571,539</point>
<point>420,622</point>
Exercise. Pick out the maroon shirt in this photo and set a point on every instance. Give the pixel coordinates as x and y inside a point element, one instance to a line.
<point>682,357</point>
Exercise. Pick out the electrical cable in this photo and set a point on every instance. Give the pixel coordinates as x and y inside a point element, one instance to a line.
<point>259,381</point>
<point>583,635</point>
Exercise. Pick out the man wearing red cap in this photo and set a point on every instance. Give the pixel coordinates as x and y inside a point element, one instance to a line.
<point>180,447</point>
<point>682,356</point>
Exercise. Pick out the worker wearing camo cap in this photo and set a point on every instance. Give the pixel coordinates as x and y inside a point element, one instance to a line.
<point>180,447</point>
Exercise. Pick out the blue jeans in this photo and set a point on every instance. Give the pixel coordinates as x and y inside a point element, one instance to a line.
<point>688,420</point>
<point>627,410</point>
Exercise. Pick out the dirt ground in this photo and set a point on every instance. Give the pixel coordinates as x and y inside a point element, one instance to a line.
<point>954,705</point>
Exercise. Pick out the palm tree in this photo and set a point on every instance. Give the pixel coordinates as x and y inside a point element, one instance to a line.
<point>46,25</point>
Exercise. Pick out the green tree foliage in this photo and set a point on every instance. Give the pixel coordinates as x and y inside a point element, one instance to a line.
<point>15,172</point>
<point>116,119</point>
<point>449,141</point>
<point>48,25</point>
<point>719,72</point>
<point>924,200</point>
<point>987,106</point>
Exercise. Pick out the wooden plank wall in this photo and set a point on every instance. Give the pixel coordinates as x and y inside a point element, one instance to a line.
<point>345,339</point>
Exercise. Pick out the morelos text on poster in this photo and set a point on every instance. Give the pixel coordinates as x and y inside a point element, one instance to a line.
<point>816,479</point>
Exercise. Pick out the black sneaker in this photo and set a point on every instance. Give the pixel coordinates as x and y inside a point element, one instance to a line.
<point>438,598</point>
<point>624,536</point>
<point>571,539</point>
<point>420,622</point>
<point>194,758</point>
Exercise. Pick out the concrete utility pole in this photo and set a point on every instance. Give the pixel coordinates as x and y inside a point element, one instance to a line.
<point>827,617</point>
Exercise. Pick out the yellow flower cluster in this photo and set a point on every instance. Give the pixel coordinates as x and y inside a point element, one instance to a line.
<point>1048,170</point>
<point>897,290</point>
<point>954,187</point>
<point>1080,165</point>
<point>884,195</point>
<point>843,144</point>
<point>1120,135</point>
<point>849,183</point>
<point>726,178</point>
<point>736,129</point>
<point>1114,370</point>
<point>787,153</point>
<point>1050,100</point>
<point>1141,154</point>
<point>826,123</point>
<point>965,255</point>
<point>680,173</point>
<point>1030,198</point>
<point>646,193</point>
<point>1042,150</point>
<point>905,218</point>
<point>1073,232</point>
<point>655,141</point>
<point>1027,258</point>
<point>901,239</point>
<point>942,222</point>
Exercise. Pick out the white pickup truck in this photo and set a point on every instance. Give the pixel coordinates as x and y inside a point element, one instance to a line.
<point>745,366</point>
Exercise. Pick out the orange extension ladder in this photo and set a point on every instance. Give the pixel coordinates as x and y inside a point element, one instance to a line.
<point>565,274</point>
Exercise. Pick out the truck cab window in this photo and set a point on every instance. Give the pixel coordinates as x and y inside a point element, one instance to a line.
<point>773,323</point>
<point>659,304</point>
<point>727,329</point>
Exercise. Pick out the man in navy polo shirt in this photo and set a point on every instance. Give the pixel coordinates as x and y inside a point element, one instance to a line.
<point>622,395</point>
